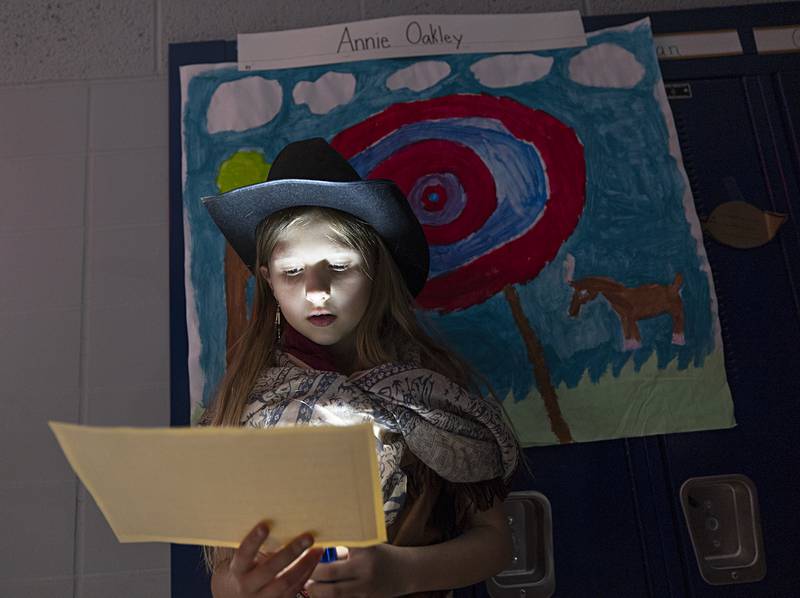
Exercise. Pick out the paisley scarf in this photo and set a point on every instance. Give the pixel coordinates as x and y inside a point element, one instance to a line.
<point>462,437</point>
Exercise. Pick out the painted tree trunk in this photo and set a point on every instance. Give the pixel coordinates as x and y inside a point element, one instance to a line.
<point>540,371</point>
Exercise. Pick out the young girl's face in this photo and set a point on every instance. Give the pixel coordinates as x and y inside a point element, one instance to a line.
<point>320,284</point>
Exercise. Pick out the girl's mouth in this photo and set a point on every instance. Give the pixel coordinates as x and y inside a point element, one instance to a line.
<point>322,320</point>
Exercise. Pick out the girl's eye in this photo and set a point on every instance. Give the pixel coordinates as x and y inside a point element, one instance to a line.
<point>292,271</point>
<point>339,267</point>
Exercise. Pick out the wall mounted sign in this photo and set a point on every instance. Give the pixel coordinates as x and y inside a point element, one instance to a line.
<point>421,35</point>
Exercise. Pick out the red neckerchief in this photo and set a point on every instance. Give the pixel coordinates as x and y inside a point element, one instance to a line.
<point>317,356</point>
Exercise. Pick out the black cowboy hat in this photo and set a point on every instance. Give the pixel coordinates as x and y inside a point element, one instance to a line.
<point>312,173</point>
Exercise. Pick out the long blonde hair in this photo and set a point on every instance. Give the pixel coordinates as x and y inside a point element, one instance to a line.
<point>388,330</point>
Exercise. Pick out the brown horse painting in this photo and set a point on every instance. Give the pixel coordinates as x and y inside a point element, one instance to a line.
<point>631,303</point>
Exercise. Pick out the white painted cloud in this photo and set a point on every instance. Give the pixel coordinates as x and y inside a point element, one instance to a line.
<point>326,93</point>
<point>606,65</point>
<point>419,76</point>
<point>244,104</point>
<point>508,70</point>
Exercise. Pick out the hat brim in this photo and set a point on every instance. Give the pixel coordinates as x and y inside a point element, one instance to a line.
<point>379,203</point>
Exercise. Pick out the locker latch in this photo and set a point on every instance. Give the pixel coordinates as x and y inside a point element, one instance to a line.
<point>531,573</point>
<point>724,526</point>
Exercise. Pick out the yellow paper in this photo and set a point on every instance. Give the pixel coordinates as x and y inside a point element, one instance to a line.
<point>212,485</point>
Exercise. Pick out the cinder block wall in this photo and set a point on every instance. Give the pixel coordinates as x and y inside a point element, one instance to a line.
<point>83,250</point>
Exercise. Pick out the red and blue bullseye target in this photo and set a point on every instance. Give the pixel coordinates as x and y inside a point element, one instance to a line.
<point>437,176</point>
<point>497,186</point>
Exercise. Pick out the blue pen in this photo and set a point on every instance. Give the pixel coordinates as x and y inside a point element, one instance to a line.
<point>328,556</point>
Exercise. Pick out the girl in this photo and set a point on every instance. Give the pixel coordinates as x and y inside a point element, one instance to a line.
<point>333,339</point>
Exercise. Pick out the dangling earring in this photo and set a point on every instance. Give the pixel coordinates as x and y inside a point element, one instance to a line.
<point>278,324</point>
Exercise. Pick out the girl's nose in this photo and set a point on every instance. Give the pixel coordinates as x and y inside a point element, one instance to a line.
<point>318,286</point>
<point>318,298</point>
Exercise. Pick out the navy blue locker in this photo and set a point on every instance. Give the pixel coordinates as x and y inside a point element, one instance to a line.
<point>730,130</point>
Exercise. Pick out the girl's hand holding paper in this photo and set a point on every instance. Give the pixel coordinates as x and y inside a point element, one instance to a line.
<point>278,575</point>
<point>371,571</point>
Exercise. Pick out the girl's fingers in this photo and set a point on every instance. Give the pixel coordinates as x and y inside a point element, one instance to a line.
<point>262,556</point>
<point>334,590</point>
<point>292,580</point>
<point>336,571</point>
<point>267,570</point>
<point>244,556</point>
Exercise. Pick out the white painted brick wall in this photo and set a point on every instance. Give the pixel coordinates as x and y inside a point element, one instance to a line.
<point>83,250</point>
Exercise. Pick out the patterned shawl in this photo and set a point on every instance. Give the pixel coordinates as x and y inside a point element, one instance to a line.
<point>462,437</point>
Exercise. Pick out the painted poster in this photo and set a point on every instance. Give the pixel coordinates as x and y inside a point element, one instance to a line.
<point>567,260</point>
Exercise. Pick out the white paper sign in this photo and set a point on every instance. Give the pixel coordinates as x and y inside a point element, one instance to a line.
<point>699,44</point>
<point>777,39</point>
<point>422,35</point>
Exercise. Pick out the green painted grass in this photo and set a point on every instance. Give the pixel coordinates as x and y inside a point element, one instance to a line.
<point>650,401</point>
